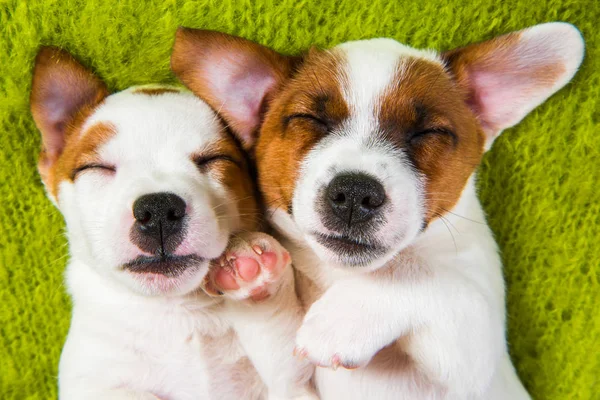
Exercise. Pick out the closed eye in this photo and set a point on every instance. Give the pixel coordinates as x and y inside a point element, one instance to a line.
<point>417,136</point>
<point>205,161</point>
<point>92,166</point>
<point>310,117</point>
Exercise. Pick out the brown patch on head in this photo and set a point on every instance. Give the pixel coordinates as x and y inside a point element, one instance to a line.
<point>225,161</point>
<point>425,114</point>
<point>81,148</point>
<point>304,111</point>
<point>155,91</point>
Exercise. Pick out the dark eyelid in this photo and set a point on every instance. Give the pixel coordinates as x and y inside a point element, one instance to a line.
<point>308,116</point>
<point>436,131</point>
<point>84,167</point>
<point>203,160</point>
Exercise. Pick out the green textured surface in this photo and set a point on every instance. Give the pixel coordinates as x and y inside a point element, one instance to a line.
<point>537,183</point>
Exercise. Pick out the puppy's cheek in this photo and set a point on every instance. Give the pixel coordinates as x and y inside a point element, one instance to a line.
<point>206,235</point>
<point>305,205</point>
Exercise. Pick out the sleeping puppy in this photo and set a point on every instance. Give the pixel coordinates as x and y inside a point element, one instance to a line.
<point>152,187</point>
<point>366,155</point>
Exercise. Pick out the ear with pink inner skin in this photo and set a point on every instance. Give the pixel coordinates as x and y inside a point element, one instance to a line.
<point>235,76</point>
<point>507,77</point>
<point>61,89</point>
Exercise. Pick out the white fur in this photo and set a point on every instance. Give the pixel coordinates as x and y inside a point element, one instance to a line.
<point>435,300</point>
<point>157,337</point>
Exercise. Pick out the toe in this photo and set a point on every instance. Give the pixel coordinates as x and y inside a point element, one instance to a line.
<point>225,280</point>
<point>260,294</point>
<point>247,268</point>
<point>269,260</point>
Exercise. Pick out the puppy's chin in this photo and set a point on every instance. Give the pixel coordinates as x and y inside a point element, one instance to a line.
<point>348,254</point>
<point>165,277</point>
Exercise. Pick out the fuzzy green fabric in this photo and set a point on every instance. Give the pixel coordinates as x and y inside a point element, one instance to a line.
<point>537,183</point>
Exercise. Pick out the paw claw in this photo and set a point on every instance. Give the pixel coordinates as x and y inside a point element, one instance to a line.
<point>257,249</point>
<point>335,362</point>
<point>300,353</point>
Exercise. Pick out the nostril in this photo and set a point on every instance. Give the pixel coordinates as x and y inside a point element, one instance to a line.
<point>173,215</point>
<point>340,198</point>
<point>367,202</point>
<point>146,217</point>
<point>372,202</point>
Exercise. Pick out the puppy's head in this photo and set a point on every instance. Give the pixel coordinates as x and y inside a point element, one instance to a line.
<point>360,147</point>
<point>149,181</point>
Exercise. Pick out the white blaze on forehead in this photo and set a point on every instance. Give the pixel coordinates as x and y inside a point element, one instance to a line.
<point>369,69</point>
<point>156,127</point>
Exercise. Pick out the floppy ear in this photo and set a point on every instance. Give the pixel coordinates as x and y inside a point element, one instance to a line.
<point>507,77</point>
<point>235,76</point>
<point>61,88</point>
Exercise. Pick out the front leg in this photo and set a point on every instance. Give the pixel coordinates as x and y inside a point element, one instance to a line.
<point>256,278</point>
<point>348,325</point>
<point>454,332</point>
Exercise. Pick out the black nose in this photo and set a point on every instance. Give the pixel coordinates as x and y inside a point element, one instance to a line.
<point>159,222</point>
<point>355,197</point>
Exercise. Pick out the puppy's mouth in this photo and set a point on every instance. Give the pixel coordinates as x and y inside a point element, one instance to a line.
<point>168,265</point>
<point>351,251</point>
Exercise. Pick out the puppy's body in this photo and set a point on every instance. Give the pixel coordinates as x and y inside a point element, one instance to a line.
<point>127,344</point>
<point>152,187</point>
<point>429,281</point>
<point>367,155</point>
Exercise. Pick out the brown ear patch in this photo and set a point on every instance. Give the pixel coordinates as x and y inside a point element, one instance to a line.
<point>504,56</point>
<point>235,76</point>
<point>289,133</point>
<point>426,115</point>
<point>62,89</point>
<point>80,148</point>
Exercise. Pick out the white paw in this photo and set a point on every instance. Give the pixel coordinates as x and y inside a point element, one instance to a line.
<point>337,333</point>
<point>251,267</point>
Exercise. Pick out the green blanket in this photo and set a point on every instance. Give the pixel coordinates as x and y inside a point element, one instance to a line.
<point>538,184</point>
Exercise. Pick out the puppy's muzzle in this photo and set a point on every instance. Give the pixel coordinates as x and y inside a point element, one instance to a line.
<point>159,223</point>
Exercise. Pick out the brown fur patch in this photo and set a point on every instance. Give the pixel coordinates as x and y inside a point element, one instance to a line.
<point>155,91</point>
<point>234,173</point>
<point>80,148</point>
<point>425,99</point>
<point>283,141</point>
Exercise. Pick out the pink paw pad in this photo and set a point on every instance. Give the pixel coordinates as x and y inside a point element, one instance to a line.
<point>249,272</point>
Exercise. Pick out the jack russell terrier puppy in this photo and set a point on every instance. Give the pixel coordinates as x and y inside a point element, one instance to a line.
<point>152,187</point>
<point>367,155</point>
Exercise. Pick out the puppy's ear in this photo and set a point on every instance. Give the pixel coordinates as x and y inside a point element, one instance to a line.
<point>235,76</point>
<point>507,77</point>
<point>61,89</point>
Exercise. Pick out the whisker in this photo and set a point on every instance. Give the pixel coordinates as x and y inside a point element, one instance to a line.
<point>468,219</point>
<point>450,231</point>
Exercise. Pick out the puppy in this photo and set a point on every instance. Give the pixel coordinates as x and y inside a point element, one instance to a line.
<point>152,187</point>
<point>367,156</point>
